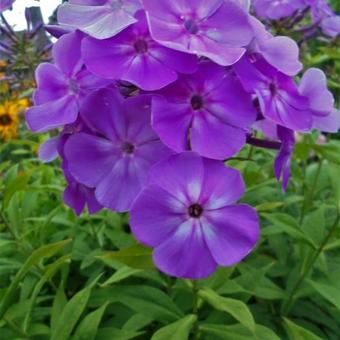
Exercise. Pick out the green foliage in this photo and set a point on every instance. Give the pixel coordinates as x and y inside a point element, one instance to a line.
<point>64,277</point>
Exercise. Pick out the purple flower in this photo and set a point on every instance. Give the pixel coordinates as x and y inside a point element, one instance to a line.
<point>331,26</point>
<point>277,9</point>
<point>187,212</point>
<point>283,159</point>
<point>116,157</point>
<point>216,29</point>
<point>313,86</point>
<point>78,196</point>
<point>100,19</point>
<point>133,56</point>
<point>323,15</point>
<point>207,112</point>
<point>280,52</point>
<point>5,4</point>
<point>278,95</point>
<point>62,86</point>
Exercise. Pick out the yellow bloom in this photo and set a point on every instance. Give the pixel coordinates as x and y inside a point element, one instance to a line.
<point>9,120</point>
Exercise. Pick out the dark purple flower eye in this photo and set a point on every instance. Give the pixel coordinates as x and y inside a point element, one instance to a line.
<point>141,46</point>
<point>195,210</point>
<point>196,102</point>
<point>128,148</point>
<point>191,26</point>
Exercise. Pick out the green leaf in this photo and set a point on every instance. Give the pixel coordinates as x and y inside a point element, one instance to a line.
<point>296,332</point>
<point>149,301</point>
<point>121,274</point>
<point>329,151</point>
<point>238,332</point>
<point>283,223</point>
<point>50,271</point>
<point>71,314</point>
<point>44,252</point>
<point>137,256</point>
<point>178,330</point>
<point>328,291</point>
<point>110,333</point>
<point>267,206</point>
<point>235,308</point>
<point>334,171</point>
<point>314,225</point>
<point>88,328</point>
<point>59,303</point>
<point>19,183</point>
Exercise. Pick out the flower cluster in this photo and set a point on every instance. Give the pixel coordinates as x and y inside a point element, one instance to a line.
<point>294,11</point>
<point>151,97</point>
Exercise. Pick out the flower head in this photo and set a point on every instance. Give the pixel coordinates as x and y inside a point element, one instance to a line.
<point>116,157</point>
<point>134,56</point>
<point>61,86</point>
<point>216,29</point>
<point>278,95</point>
<point>187,212</point>
<point>207,112</point>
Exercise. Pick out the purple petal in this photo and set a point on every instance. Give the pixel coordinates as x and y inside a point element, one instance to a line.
<point>212,138</point>
<point>185,254</point>
<point>108,120</point>
<point>155,207</point>
<point>231,233</point>
<point>313,85</point>
<point>331,26</point>
<point>171,123</point>
<point>52,114</point>
<point>283,54</point>
<point>180,175</point>
<point>329,123</point>
<point>52,84</point>
<point>222,185</point>
<point>67,55</point>
<point>90,158</point>
<point>100,22</point>
<point>119,188</point>
<point>48,151</point>
<point>229,24</point>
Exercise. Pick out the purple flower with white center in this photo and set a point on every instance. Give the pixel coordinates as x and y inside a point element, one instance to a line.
<point>207,112</point>
<point>116,157</point>
<point>100,19</point>
<point>313,85</point>
<point>277,9</point>
<point>280,52</point>
<point>278,95</point>
<point>134,56</point>
<point>187,212</point>
<point>61,86</point>
<point>216,29</point>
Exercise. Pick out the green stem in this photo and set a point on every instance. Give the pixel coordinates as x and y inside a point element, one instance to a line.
<point>309,198</point>
<point>287,306</point>
<point>195,290</point>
